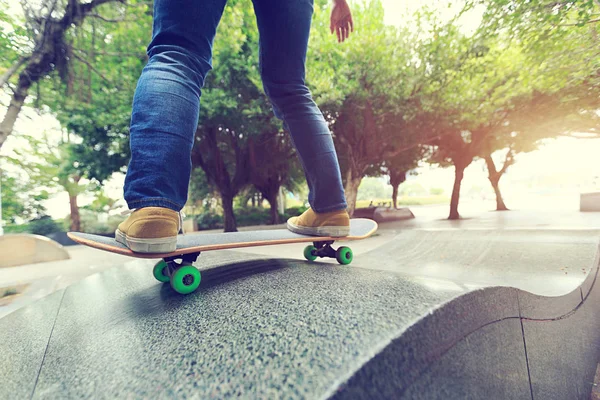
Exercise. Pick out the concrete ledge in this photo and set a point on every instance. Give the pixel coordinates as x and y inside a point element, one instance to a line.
<point>589,201</point>
<point>22,249</point>
<point>384,214</point>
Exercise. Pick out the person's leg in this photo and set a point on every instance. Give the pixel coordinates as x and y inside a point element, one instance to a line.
<point>165,116</point>
<point>284,28</point>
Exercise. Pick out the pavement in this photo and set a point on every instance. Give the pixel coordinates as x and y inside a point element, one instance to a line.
<point>497,305</point>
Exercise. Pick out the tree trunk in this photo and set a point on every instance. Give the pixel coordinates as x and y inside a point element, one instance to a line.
<point>500,206</point>
<point>353,180</point>
<point>494,178</point>
<point>16,103</point>
<point>459,172</point>
<point>396,179</point>
<point>75,219</point>
<point>395,196</point>
<point>272,199</point>
<point>229,222</point>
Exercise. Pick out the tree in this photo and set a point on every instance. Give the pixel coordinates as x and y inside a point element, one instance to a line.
<point>234,111</point>
<point>558,42</point>
<point>274,164</point>
<point>54,166</point>
<point>531,119</point>
<point>399,166</point>
<point>46,50</point>
<point>92,100</point>
<point>369,102</point>
<point>21,199</point>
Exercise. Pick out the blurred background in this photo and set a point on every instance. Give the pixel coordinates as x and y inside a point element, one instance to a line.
<point>455,105</point>
<point>473,123</point>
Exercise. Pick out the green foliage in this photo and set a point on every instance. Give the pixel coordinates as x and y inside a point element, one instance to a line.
<point>20,228</point>
<point>209,220</point>
<point>51,165</point>
<point>101,203</point>
<point>21,199</point>
<point>373,188</point>
<point>245,216</point>
<point>91,224</point>
<point>392,95</point>
<point>44,225</point>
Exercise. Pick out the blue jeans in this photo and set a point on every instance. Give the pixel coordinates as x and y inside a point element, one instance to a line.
<point>167,99</point>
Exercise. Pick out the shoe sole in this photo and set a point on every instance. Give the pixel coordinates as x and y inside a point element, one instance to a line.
<point>153,245</point>
<point>332,231</point>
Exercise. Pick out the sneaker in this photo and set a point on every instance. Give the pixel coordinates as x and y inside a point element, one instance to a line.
<point>334,223</point>
<point>150,230</point>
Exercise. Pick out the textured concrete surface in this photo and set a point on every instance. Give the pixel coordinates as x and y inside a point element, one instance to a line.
<point>47,278</point>
<point>22,249</point>
<point>388,327</point>
<point>294,329</point>
<point>488,364</point>
<point>24,340</point>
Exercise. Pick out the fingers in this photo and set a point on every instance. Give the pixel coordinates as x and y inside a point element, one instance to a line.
<point>342,30</point>
<point>342,27</point>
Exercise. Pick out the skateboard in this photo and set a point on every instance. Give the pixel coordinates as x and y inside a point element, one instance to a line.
<point>177,267</point>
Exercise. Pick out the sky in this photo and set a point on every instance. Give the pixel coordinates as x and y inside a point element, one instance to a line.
<point>566,165</point>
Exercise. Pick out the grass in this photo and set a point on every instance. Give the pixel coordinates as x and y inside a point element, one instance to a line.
<point>9,292</point>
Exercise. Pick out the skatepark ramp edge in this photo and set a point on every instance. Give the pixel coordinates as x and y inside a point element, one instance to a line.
<point>496,342</point>
<point>21,249</point>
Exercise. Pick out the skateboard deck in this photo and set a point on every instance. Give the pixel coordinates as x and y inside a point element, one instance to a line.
<point>360,228</point>
<point>175,266</point>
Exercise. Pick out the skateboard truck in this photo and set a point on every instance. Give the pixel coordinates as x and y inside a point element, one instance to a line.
<point>343,254</point>
<point>179,271</point>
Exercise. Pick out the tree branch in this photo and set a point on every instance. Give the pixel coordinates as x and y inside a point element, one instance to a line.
<point>112,54</point>
<point>6,76</point>
<point>92,67</point>
<point>591,21</point>
<point>107,19</point>
<point>508,161</point>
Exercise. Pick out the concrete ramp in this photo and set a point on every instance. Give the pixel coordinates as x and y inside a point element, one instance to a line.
<point>22,249</point>
<point>272,328</point>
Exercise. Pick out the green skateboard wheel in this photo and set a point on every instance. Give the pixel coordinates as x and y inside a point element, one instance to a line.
<point>309,253</point>
<point>159,271</point>
<point>185,279</point>
<point>344,255</point>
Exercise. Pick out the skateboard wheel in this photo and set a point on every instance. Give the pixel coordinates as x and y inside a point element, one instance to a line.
<point>185,279</point>
<point>309,253</point>
<point>344,255</point>
<point>160,270</point>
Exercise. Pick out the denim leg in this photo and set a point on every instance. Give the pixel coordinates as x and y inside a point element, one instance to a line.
<point>284,28</point>
<point>166,102</point>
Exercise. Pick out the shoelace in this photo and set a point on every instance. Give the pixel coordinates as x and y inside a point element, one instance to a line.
<point>180,213</point>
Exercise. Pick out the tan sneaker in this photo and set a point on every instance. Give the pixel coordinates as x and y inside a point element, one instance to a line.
<point>150,230</point>
<point>334,223</point>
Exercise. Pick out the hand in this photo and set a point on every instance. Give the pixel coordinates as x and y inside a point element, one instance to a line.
<point>341,20</point>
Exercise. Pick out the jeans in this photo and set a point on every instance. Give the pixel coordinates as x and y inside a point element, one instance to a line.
<point>167,99</point>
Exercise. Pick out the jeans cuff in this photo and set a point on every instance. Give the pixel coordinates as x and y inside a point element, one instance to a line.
<point>154,202</point>
<point>335,207</point>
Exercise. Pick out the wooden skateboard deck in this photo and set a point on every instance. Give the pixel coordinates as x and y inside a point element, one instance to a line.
<point>176,267</point>
<point>360,228</point>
